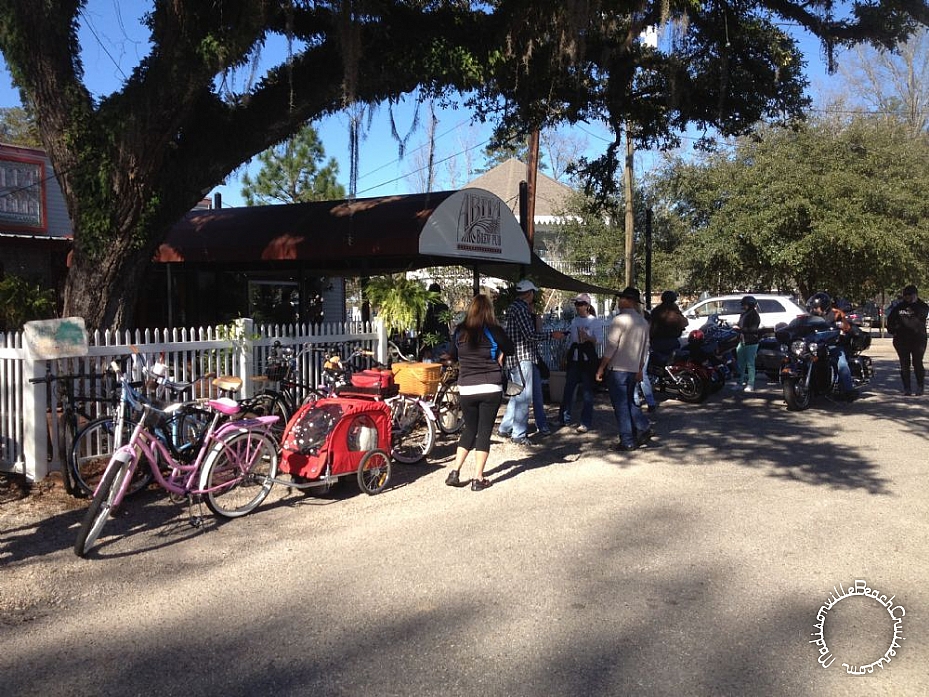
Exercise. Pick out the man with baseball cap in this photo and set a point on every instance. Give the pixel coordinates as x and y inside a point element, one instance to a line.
<point>622,365</point>
<point>524,327</point>
<point>581,365</point>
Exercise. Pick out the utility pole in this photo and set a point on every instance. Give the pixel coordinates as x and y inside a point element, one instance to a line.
<point>532,170</point>
<point>630,211</point>
<point>648,258</point>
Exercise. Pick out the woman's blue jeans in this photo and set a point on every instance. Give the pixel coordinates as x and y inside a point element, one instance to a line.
<point>578,374</point>
<point>745,359</point>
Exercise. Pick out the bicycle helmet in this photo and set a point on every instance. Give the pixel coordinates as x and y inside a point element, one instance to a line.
<point>819,302</point>
<point>749,301</point>
<point>669,297</point>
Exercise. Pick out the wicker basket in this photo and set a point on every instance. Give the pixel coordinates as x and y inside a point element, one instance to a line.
<point>417,378</point>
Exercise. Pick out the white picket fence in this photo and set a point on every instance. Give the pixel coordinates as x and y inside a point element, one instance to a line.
<point>32,438</point>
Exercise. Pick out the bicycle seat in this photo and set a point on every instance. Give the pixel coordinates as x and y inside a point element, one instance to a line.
<point>175,388</point>
<point>225,405</point>
<point>228,383</point>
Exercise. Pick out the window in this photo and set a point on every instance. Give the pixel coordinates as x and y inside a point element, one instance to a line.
<point>766,305</point>
<point>732,307</point>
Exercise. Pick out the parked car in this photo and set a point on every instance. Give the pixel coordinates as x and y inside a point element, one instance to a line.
<point>771,308</point>
<point>868,314</point>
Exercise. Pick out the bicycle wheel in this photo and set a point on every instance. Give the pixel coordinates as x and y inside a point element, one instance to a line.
<point>449,419</point>
<point>184,431</point>
<point>92,450</point>
<point>239,473</point>
<point>374,472</point>
<point>271,404</point>
<point>413,432</point>
<point>103,502</point>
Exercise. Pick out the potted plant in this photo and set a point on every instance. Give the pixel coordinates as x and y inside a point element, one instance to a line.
<point>399,301</point>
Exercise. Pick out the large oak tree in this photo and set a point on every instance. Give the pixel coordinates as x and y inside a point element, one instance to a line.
<point>133,162</point>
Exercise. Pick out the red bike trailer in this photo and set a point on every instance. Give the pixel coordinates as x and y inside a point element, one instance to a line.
<point>336,437</point>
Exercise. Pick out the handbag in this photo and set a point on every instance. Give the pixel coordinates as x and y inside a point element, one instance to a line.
<point>511,388</point>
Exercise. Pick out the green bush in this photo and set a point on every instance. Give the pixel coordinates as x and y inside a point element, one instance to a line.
<point>22,301</point>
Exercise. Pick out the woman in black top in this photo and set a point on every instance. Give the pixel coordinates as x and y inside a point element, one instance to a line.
<point>749,326</point>
<point>907,323</point>
<point>479,345</point>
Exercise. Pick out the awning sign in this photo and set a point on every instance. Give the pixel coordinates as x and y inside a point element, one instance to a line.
<point>56,338</point>
<point>474,224</point>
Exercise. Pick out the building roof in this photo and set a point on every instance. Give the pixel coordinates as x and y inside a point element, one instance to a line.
<point>504,179</point>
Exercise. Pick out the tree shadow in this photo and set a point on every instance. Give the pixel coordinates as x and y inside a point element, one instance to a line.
<point>632,609</point>
<point>815,447</point>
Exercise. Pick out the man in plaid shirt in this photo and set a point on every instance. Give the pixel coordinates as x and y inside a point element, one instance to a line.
<point>525,329</point>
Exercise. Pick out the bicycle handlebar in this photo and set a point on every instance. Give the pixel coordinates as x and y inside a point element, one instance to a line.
<point>400,354</point>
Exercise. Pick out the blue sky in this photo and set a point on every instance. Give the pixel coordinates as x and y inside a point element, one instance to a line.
<point>113,43</point>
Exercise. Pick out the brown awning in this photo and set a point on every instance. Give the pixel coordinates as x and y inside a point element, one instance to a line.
<point>364,236</point>
<point>376,233</point>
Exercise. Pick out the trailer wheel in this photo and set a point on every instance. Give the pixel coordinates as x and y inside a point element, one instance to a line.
<point>374,472</point>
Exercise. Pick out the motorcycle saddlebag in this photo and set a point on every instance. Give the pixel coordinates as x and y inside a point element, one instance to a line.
<point>769,356</point>
<point>859,340</point>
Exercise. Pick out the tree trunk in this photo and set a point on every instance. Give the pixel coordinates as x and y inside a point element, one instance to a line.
<point>104,291</point>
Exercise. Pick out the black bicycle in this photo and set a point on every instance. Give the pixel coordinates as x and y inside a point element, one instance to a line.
<point>291,392</point>
<point>78,409</point>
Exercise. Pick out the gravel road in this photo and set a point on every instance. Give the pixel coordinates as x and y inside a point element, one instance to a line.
<point>696,566</point>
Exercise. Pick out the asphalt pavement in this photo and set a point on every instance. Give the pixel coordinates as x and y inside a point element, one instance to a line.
<point>696,566</point>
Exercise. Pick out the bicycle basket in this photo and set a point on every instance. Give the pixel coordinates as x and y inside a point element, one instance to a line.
<point>418,378</point>
<point>277,369</point>
<point>377,383</point>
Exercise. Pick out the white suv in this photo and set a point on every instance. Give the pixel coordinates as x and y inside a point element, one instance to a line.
<point>772,309</point>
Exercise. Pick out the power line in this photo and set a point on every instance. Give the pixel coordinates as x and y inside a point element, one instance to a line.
<point>415,150</point>
<point>420,169</point>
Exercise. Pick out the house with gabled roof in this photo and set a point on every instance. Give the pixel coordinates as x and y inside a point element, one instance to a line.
<point>551,196</point>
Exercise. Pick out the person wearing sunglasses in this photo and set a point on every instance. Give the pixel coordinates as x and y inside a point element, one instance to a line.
<point>582,360</point>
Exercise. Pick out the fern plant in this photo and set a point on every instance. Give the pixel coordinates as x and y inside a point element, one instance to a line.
<point>399,301</point>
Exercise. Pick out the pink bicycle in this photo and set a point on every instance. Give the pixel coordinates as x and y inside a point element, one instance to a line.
<point>233,469</point>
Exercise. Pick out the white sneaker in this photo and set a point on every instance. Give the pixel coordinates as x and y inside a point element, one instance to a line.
<point>749,388</point>
<point>582,429</point>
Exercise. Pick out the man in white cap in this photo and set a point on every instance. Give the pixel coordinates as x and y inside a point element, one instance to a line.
<point>524,327</point>
<point>582,364</point>
<point>622,365</point>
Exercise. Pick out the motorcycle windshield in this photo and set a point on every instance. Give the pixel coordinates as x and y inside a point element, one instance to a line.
<point>829,336</point>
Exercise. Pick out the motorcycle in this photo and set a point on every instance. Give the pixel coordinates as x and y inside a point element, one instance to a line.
<point>679,375</point>
<point>713,347</point>
<point>810,366</point>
